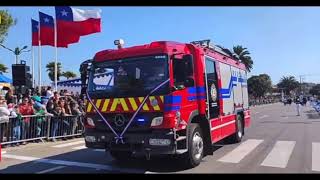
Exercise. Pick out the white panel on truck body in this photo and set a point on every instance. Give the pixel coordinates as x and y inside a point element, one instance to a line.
<point>226,89</point>
<point>236,87</point>
<point>243,82</point>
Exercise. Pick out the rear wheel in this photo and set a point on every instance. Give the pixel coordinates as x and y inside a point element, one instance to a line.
<point>195,142</point>
<point>237,136</point>
<point>121,155</point>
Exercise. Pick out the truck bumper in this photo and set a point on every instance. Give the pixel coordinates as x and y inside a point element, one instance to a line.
<point>138,143</point>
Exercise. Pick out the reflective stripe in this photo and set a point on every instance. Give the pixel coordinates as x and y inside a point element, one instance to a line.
<point>145,106</point>
<point>161,97</point>
<point>222,125</point>
<point>89,107</point>
<point>114,104</point>
<point>133,103</point>
<point>154,107</point>
<point>124,104</point>
<point>105,105</point>
<point>98,103</point>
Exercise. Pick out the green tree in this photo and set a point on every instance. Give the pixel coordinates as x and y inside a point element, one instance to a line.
<point>51,71</point>
<point>69,74</point>
<point>7,21</point>
<point>288,83</point>
<point>3,68</point>
<point>259,85</point>
<point>243,55</point>
<point>315,90</point>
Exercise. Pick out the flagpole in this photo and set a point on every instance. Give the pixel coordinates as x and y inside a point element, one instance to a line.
<point>32,49</point>
<point>56,60</point>
<point>39,56</point>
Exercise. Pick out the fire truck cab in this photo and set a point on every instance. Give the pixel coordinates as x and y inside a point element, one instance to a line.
<point>165,98</point>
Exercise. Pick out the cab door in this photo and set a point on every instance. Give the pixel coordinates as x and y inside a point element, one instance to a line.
<point>212,99</point>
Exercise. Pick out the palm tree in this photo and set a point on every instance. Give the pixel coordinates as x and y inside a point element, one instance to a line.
<point>69,74</point>
<point>239,53</point>
<point>288,83</point>
<point>50,70</point>
<point>3,68</point>
<point>243,55</point>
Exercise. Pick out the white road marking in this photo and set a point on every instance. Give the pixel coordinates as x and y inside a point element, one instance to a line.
<point>50,170</point>
<point>241,151</point>
<point>68,144</point>
<point>149,172</point>
<point>264,116</point>
<point>286,117</point>
<point>100,150</point>
<point>73,163</point>
<point>80,147</point>
<point>279,155</point>
<point>3,152</point>
<point>315,156</point>
<point>256,112</point>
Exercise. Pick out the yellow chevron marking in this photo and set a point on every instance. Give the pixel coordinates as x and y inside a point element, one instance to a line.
<point>133,104</point>
<point>89,107</point>
<point>98,103</point>
<point>114,104</point>
<point>105,105</point>
<point>124,104</point>
<point>145,106</point>
<point>161,97</point>
<point>157,108</point>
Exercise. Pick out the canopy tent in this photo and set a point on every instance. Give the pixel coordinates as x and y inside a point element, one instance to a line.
<point>5,84</point>
<point>4,79</point>
<point>74,85</point>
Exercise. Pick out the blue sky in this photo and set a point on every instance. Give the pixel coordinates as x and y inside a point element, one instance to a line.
<point>282,40</point>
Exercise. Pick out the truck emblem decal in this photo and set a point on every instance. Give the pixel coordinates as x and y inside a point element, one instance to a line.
<point>213,92</point>
<point>119,120</point>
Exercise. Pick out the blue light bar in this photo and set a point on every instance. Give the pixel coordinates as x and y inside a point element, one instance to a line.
<point>141,120</point>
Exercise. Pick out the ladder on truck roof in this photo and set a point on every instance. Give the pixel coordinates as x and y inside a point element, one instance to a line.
<point>206,44</point>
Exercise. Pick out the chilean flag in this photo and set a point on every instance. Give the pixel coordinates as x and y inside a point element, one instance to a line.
<point>35,32</point>
<point>79,22</point>
<point>47,33</point>
<point>46,29</point>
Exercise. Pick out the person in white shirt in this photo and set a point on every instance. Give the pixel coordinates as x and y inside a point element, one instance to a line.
<point>49,93</point>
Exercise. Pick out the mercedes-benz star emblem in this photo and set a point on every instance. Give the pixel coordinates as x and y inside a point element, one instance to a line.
<point>119,120</point>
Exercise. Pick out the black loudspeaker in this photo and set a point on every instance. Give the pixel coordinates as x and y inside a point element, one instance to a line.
<point>21,75</point>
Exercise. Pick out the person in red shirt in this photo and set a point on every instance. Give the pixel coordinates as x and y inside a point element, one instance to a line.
<point>25,109</point>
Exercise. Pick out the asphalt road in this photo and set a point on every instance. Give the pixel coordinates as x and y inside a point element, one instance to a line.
<point>278,141</point>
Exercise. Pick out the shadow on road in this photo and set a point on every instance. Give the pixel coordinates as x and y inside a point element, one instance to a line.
<point>160,164</point>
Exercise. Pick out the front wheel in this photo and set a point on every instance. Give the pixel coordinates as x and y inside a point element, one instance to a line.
<point>195,142</point>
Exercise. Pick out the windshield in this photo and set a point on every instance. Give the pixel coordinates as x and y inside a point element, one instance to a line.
<point>129,77</point>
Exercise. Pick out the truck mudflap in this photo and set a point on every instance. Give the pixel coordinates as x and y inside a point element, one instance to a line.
<point>157,142</point>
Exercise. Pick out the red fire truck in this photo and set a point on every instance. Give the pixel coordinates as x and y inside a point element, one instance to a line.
<point>164,98</point>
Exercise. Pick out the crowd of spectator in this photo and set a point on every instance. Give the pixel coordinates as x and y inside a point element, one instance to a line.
<point>41,105</point>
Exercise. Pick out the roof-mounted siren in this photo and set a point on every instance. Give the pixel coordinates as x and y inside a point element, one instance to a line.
<point>119,43</point>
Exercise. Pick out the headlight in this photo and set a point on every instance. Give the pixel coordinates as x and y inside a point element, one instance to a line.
<point>157,121</point>
<point>90,139</point>
<point>90,122</point>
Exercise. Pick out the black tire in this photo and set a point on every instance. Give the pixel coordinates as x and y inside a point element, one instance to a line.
<point>237,136</point>
<point>195,151</point>
<point>121,155</point>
